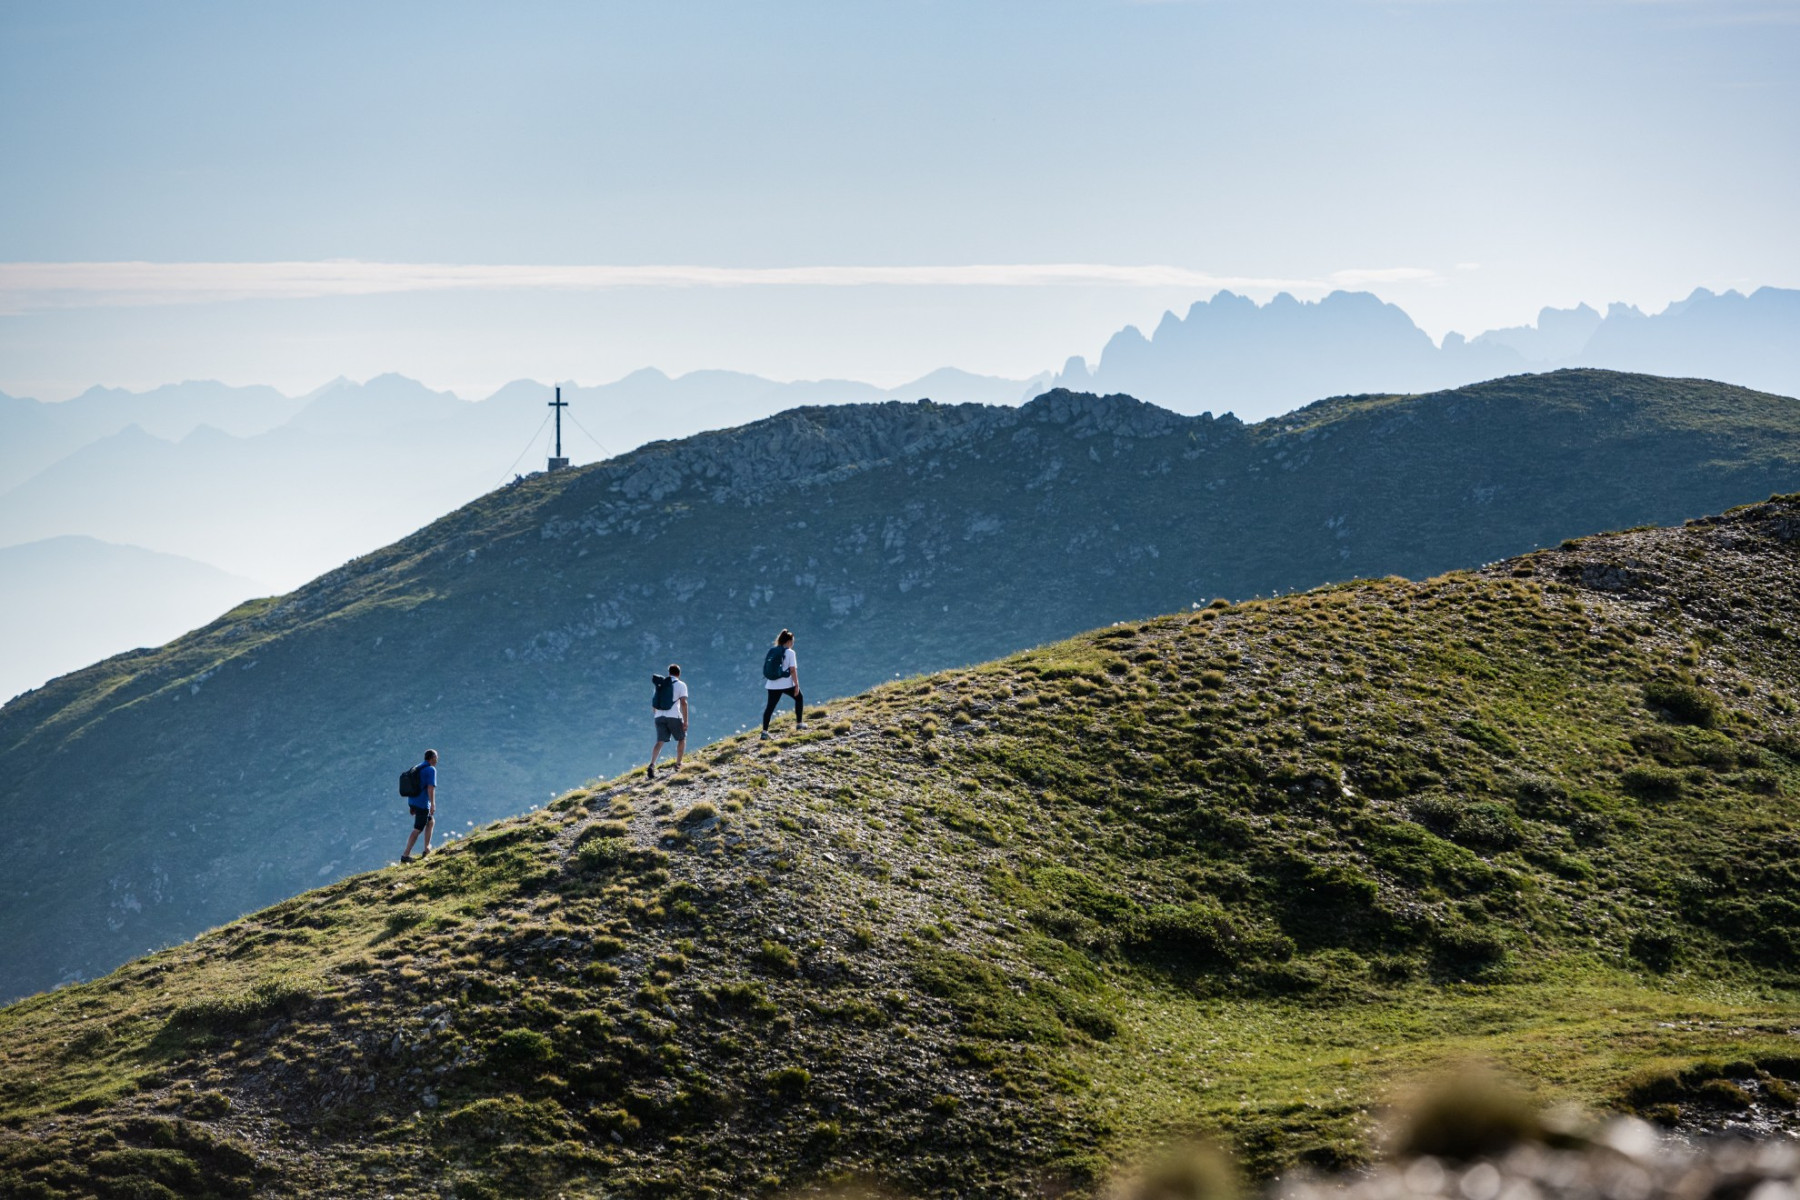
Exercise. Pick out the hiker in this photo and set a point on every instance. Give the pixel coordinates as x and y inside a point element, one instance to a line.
<point>669,705</point>
<point>781,677</point>
<point>423,806</point>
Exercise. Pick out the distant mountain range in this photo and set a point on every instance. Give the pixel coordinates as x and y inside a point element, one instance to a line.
<point>1232,354</point>
<point>257,756</point>
<point>34,435</point>
<point>281,489</point>
<point>100,600</point>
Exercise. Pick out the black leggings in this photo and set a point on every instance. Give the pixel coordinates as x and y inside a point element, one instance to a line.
<point>775,696</point>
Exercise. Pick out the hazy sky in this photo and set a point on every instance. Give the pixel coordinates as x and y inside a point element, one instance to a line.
<point>358,163</point>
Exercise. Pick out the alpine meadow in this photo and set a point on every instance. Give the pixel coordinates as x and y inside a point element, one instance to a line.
<point>987,931</point>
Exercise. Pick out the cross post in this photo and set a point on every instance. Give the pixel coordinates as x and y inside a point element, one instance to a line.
<point>558,405</point>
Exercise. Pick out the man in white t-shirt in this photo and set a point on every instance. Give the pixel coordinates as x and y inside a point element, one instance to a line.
<point>670,704</point>
<point>781,677</point>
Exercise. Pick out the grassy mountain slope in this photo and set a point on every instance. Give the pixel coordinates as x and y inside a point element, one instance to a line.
<point>979,933</point>
<point>256,757</point>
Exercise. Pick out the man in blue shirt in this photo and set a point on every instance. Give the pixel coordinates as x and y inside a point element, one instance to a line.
<point>423,806</point>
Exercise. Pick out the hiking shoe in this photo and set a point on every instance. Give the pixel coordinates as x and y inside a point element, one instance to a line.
<point>764,737</point>
<point>406,858</point>
<point>650,771</point>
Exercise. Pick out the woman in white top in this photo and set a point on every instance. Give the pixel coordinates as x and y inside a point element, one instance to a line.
<point>781,677</point>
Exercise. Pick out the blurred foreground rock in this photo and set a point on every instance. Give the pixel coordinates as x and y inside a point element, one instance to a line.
<point>1626,1159</point>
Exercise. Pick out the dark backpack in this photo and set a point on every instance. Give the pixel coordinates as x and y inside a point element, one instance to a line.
<point>664,699</point>
<point>410,786</point>
<point>774,662</point>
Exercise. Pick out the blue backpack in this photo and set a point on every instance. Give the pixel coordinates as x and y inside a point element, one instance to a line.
<point>664,697</point>
<point>774,662</point>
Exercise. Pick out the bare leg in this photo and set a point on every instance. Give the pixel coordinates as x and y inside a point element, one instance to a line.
<point>680,749</point>
<point>429,826</point>
<point>410,839</point>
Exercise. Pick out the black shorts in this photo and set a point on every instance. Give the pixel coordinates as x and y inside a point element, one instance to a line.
<point>421,816</point>
<point>670,729</point>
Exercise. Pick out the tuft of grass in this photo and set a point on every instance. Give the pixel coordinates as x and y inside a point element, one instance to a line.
<point>788,1082</point>
<point>698,814</point>
<point>603,829</point>
<point>1684,701</point>
<point>773,956</point>
<point>215,1016</point>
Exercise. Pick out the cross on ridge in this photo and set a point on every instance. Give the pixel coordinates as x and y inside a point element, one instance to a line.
<point>558,405</point>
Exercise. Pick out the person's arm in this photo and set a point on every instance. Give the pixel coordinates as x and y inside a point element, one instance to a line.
<point>431,798</point>
<point>794,672</point>
<point>684,715</point>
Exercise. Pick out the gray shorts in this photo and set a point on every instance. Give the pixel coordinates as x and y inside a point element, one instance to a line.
<point>669,729</point>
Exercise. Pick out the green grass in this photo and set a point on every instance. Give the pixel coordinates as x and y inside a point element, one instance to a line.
<point>1289,1082</point>
<point>1248,870</point>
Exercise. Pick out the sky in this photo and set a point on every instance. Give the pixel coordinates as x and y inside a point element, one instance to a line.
<point>469,194</point>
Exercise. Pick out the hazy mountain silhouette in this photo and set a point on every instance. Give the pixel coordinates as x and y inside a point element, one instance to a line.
<point>1560,334</point>
<point>69,601</point>
<point>342,409</point>
<point>1751,340</point>
<point>33,435</point>
<point>1230,354</point>
<point>649,405</point>
<point>350,466</point>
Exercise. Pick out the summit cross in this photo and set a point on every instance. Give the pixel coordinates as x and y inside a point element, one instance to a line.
<point>558,405</point>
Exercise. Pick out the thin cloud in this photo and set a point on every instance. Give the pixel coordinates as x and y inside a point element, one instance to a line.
<point>27,287</point>
<point>1365,276</point>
